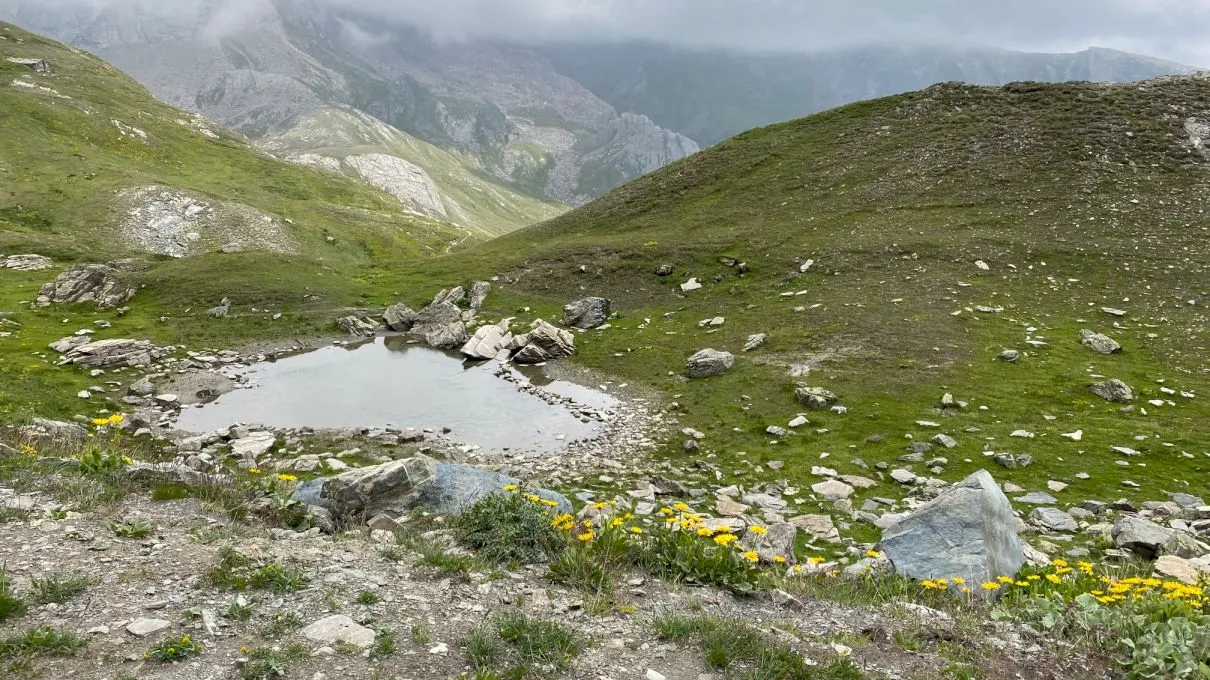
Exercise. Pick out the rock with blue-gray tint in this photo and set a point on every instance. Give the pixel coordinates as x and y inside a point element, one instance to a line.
<point>968,531</point>
<point>396,487</point>
<point>589,312</point>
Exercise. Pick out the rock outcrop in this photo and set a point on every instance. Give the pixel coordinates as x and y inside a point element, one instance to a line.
<point>543,342</point>
<point>487,342</point>
<point>441,322</point>
<point>110,353</point>
<point>478,294</point>
<point>357,325</point>
<point>26,263</point>
<point>97,283</point>
<point>968,531</point>
<point>589,312</point>
<point>709,362</point>
<point>816,398</point>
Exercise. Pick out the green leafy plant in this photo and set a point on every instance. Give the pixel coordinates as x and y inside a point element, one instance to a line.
<point>237,571</point>
<point>42,641</point>
<point>11,606</point>
<point>509,527</point>
<point>281,623</point>
<point>266,663</point>
<point>131,529</point>
<point>385,643</point>
<point>174,649</point>
<point>238,612</point>
<point>367,597</point>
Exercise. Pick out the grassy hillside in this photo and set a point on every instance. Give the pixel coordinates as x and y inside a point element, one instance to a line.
<point>77,136</point>
<point>471,198</point>
<point>1076,196</point>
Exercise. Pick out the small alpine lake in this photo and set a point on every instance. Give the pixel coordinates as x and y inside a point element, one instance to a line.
<point>387,381</point>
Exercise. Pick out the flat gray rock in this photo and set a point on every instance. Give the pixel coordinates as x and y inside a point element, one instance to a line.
<point>1053,519</point>
<point>709,362</point>
<point>1037,498</point>
<point>145,627</point>
<point>339,628</point>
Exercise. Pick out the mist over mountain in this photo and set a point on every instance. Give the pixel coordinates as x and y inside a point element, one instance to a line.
<point>563,121</point>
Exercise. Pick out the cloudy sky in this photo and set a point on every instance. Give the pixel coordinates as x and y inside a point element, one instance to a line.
<point>1173,29</point>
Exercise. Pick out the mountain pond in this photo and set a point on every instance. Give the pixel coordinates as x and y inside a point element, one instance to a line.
<point>389,382</point>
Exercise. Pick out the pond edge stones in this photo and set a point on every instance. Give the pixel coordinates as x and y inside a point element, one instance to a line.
<point>968,531</point>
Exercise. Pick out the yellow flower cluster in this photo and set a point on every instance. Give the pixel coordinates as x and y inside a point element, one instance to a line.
<point>287,478</point>
<point>27,450</point>
<point>958,582</point>
<point>1083,579</point>
<point>531,497</point>
<point>115,419</point>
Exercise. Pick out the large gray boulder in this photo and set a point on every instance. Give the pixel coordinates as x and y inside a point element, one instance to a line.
<point>1141,536</point>
<point>395,488</point>
<point>115,352</point>
<point>968,531</point>
<point>96,283</point>
<point>1098,342</point>
<point>399,317</point>
<point>543,342</point>
<point>709,362</point>
<point>1113,390</point>
<point>487,342</point>
<point>589,312</point>
<point>441,326</point>
<point>816,398</point>
<point>53,430</point>
<point>452,336</point>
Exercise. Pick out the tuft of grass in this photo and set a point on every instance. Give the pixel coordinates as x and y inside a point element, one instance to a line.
<point>740,651</point>
<point>280,624</point>
<point>385,643</point>
<point>13,515</point>
<point>42,641</point>
<point>484,648</point>
<point>59,587</point>
<point>131,529</point>
<point>238,612</point>
<point>11,606</point>
<point>447,562</point>
<point>420,635</point>
<point>538,641</point>
<point>368,597</point>
<point>237,571</point>
<point>508,528</point>
<point>393,553</point>
<point>266,663</point>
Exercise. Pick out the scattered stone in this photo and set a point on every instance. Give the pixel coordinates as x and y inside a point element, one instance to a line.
<point>1179,568</point>
<point>775,431</point>
<point>708,363</point>
<point>114,353</point>
<point>1113,390</point>
<point>664,270</point>
<point>691,284</point>
<point>819,527</point>
<point>906,477</point>
<point>1053,519</point>
<point>144,627</point>
<point>1098,342</point>
<point>755,340</point>
<point>1111,311</point>
<point>815,398</point>
<point>1010,355</point>
<point>221,311</point>
<point>1140,536</point>
<point>799,421</point>
<point>945,440</point>
<point>968,531</point>
<point>1056,486</point>
<point>588,312</point>
<point>1013,461</point>
<point>1037,498</point>
<point>1074,436</point>
<point>339,628</point>
<point>833,490</point>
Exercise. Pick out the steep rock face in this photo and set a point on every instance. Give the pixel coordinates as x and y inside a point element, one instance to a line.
<point>179,223</point>
<point>403,180</point>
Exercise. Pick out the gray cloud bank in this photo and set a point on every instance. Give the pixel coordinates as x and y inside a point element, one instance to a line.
<point>1170,29</point>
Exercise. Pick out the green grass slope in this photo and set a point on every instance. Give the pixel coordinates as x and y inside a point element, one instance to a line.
<point>1076,196</point>
<point>63,158</point>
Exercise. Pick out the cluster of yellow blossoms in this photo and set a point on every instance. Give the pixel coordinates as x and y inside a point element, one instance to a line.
<point>115,419</point>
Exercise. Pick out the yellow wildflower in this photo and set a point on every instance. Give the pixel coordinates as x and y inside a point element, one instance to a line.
<point>116,419</point>
<point>724,539</point>
<point>100,422</point>
<point>705,531</point>
<point>287,477</point>
<point>958,580</point>
<point>254,471</point>
<point>759,531</point>
<point>1059,562</point>
<point>665,511</point>
<point>752,556</point>
<point>1034,577</point>
<point>127,460</point>
<point>27,450</point>
<point>991,585</point>
<point>1022,584</point>
<point>601,505</point>
<point>815,560</point>
<point>779,559</point>
<point>928,585</point>
<point>873,553</point>
<point>1005,579</point>
<point>510,487</point>
<point>585,537</point>
<point>1054,579</point>
<point>636,530</point>
<point>680,507</point>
